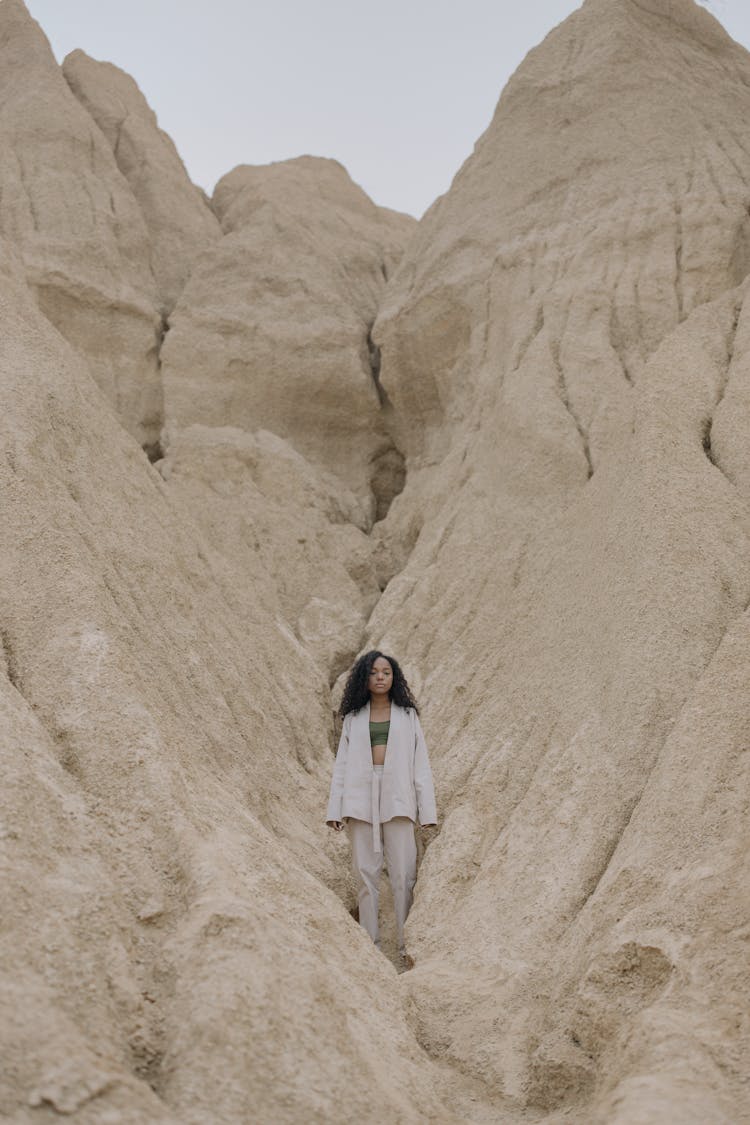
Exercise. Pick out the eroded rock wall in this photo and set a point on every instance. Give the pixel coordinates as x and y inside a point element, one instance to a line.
<point>165,868</point>
<point>66,208</point>
<point>566,325</point>
<point>179,220</point>
<point>554,366</point>
<point>276,427</point>
<point>272,330</point>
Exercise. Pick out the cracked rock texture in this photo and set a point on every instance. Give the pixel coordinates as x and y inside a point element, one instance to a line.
<point>569,324</point>
<point>66,207</point>
<point>178,217</point>
<point>276,430</point>
<point>272,329</point>
<point>508,443</point>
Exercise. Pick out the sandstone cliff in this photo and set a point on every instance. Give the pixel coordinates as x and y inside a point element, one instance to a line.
<point>508,443</point>
<point>567,327</point>
<point>179,220</point>
<point>66,207</point>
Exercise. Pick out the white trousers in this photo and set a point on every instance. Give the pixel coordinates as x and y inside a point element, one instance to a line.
<point>399,847</point>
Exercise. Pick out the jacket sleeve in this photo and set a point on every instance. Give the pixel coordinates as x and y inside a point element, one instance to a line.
<point>339,769</point>
<point>423,778</point>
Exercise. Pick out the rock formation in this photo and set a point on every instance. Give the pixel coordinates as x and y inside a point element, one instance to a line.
<point>67,209</point>
<point>272,329</point>
<point>509,444</point>
<point>275,424</point>
<point>179,220</point>
<point>167,744</point>
<point>567,328</point>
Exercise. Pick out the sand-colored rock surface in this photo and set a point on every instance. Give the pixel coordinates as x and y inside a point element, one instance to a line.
<point>179,221</point>
<point>272,329</point>
<point>66,207</point>
<point>603,515</point>
<point>275,431</point>
<point>164,863</point>
<point>293,531</point>
<point>555,365</point>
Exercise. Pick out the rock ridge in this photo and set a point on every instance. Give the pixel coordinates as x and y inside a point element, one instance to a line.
<point>507,444</point>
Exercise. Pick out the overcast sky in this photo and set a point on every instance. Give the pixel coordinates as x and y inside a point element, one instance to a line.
<point>397,90</point>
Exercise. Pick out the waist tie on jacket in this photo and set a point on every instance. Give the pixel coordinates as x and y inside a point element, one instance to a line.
<point>377,776</point>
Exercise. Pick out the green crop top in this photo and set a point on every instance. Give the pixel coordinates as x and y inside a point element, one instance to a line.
<point>379,733</point>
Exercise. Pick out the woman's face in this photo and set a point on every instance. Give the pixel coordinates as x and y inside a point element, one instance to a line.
<point>381,677</point>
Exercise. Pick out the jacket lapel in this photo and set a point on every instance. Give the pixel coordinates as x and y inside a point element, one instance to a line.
<point>391,740</point>
<point>362,728</point>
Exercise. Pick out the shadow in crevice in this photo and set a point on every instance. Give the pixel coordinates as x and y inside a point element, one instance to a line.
<point>8,657</point>
<point>154,450</point>
<point>387,464</point>
<point>387,477</point>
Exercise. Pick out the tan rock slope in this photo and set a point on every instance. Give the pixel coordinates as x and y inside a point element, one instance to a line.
<point>574,628</point>
<point>272,330</point>
<point>527,419</point>
<point>274,418</point>
<point>166,749</point>
<point>66,207</point>
<point>179,221</point>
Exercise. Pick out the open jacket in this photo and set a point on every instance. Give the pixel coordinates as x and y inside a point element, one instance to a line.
<point>406,788</point>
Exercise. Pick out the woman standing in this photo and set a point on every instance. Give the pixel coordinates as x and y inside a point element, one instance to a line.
<point>381,783</point>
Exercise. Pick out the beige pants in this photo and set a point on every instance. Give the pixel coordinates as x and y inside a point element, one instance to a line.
<point>399,847</point>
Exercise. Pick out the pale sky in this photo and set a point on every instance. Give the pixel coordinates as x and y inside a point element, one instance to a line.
<point>397,90</point>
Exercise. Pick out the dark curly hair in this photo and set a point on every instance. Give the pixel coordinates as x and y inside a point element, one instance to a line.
<point>357,693</point>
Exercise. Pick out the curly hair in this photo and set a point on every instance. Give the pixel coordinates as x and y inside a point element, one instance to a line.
<point>357,693</point>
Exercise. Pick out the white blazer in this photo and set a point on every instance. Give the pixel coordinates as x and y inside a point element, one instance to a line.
<point>406,788</point>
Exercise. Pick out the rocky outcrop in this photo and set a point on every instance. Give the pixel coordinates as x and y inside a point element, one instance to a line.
<point>509,445</point>
<point>179,221</point>
<point>566,327</point>
<point>277,429</point>
<point>164,858</point>
<point>72,217</point>
<point>594,214</point>
<point>272,330</point>
<point>292,530</point>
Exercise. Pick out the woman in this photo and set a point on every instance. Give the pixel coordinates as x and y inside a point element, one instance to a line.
<point>381,783</point>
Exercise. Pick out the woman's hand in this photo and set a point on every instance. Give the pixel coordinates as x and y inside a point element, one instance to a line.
<point>336,825</point>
